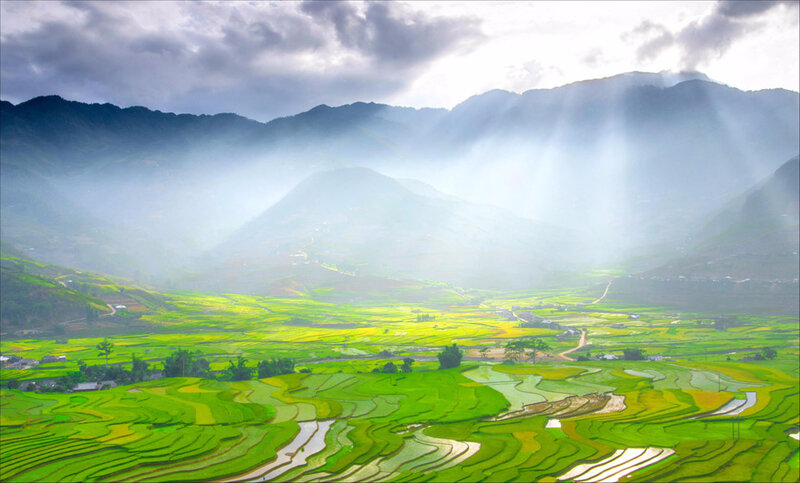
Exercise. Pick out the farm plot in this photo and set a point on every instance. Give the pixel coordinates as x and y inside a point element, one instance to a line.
<point>621,464</point>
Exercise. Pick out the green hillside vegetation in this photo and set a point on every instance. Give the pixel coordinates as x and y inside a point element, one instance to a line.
<point>35,302</point>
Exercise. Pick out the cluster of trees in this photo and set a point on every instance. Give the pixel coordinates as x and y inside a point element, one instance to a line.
<point>184,363</point>
<point>139,371</point>
<point>517,349</point>
<point>390,368</point>
<point>765,354</point>
<point>633,355</point>
<point>450,357</point>
<point>275,367</point>
<point>238,371</point>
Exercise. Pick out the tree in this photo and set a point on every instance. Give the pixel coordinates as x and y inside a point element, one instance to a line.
<point>106,348</point>
<point>389,368</point>
<point>275,367</point>
<point>138,369</point>
<point>407,362</point>
<point>769,353</point>
<point>450,357</point>
<point>514,349</point>
<point>12,384</point>
<point>182,363</point>
<point>537,345</point>
<point>633,354</point>
<point>484,351</point>
<point>239,371</point>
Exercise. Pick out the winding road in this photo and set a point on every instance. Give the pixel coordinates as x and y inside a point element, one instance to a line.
<point>605,292</point>
<point>581,343</point>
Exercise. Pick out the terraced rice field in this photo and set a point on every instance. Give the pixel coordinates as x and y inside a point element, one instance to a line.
<point>450,425</point>
<point>694,416</point>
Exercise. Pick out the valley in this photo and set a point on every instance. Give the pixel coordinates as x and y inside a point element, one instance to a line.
<point>341,417</point>
<point>594,282</point>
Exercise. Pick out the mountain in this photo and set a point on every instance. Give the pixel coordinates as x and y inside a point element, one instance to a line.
<point>628,159</point>
<point>632,148</point>
<point>360,222</point>
<point>755,236</point>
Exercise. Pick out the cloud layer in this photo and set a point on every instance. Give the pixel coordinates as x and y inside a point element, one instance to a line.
<point>257,59</point>
<point>709,37</point>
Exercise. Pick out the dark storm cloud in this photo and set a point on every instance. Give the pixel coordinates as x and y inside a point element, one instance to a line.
<point>391,33</point>
<point>261,60</point>
<point>707,37</point>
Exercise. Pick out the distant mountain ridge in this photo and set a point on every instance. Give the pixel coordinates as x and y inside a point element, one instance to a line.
<point>626,158</point>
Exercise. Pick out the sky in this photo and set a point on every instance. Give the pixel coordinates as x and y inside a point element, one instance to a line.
<point>269,59</point>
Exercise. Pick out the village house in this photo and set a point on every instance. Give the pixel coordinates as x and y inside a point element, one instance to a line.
<point>569,333</point>
<point>23,363</point>
<point>9,359</point>
<point>48,359</point>
<point>617,326</point>
<point>85,386</point>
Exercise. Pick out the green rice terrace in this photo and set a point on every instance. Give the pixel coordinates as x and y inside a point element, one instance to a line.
<point>616,393</point>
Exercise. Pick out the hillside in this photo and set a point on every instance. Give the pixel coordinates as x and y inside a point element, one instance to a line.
<point>368,224</point>
<point>36,302</point>
<point>39,220</point>
<point>755,236</point>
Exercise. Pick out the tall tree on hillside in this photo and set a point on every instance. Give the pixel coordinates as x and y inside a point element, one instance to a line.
<point>106,348</point>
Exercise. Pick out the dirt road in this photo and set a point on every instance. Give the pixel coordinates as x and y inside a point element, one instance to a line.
<point>581,343</point>
<point>605,292</point>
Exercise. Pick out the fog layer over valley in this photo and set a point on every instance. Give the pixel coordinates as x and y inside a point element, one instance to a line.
<point>645,172</point>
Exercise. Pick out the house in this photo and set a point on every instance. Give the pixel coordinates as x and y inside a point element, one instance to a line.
<point>86,386</point>
<point>62,341</point>
<point>633,316</point>
<point>9,359</point>
<point>28,362</point>
<point>48,359</point>
<point>617,326</point>
<point>108,384</point>
<point>154,376</point>
<point>568,334</point>
<point>120,307</point>
<point>610,357</point>
<point>28,332</point>
<point>656,357</point>
<point>49,383</point>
